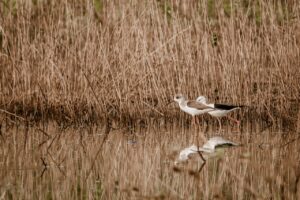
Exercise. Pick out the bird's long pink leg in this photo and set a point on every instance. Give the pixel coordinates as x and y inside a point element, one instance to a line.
<point>220,124</point>
<point>197,121</point>
<point>193,121</point>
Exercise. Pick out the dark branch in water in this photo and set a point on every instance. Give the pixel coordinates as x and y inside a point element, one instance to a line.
<point>201,156</point>
<point>45,166</point>
<point>202,166</point>
<point>289,142</point>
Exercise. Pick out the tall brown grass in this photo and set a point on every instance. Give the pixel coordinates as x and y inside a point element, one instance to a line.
<point>87,60</point>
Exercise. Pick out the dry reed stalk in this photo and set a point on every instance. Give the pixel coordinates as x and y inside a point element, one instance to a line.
<point>56,58</point>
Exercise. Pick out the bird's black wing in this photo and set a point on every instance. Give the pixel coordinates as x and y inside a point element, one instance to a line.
<point>225,107</point>
<point>225,145</point>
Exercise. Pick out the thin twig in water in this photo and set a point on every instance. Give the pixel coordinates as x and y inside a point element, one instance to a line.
<point>279,146</point>
<point>1,133</point>
<point>15,115</point>
<point>45,167</point>
<point>28,124</point>
<point>108,129</point>
<point>52,142</point>
<point>289,142</point>
<point>56,164</point>
<point>44,132</point>
<point>201,156</point>
<point>204,161</point>
<point>202,166</point>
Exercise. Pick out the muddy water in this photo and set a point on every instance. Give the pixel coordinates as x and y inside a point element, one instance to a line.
<point>47,161</point>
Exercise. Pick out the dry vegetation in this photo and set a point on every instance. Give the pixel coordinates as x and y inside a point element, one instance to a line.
<point>112,62</point>
<point>89,60</point>
<point>73,164</point>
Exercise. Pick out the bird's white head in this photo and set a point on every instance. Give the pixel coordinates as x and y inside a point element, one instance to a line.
<point>201,99</point>
<point>179,98</point>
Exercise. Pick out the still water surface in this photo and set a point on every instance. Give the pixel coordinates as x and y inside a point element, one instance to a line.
<point>47,161</point>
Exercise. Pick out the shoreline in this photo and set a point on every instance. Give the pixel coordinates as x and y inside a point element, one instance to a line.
<point>90,115</point>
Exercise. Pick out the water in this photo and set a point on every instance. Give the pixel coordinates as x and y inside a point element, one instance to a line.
<point>47,161</point>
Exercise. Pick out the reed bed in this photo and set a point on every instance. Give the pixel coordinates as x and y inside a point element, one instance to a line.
<point>48,162</point>
<point>82,61</point>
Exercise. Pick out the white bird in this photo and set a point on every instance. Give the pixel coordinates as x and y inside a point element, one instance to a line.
<point>220,110</point>
<point>209,147</point>
<point>192,107</point>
